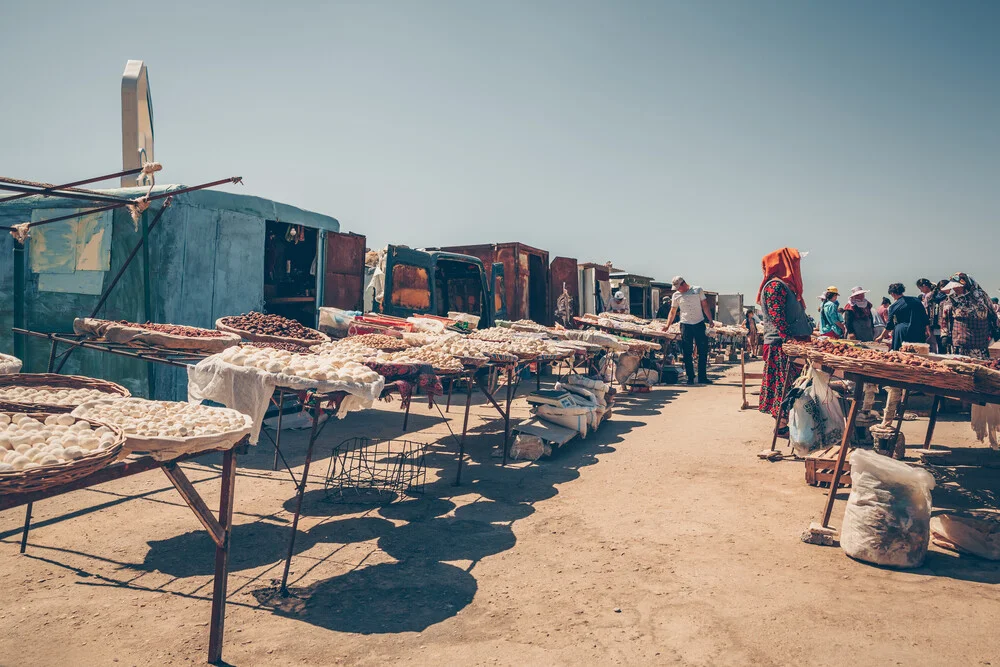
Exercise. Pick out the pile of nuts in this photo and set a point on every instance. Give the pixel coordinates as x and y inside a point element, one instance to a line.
<point>44,395</point>
<point>164,419</point>
<point>174,329</point>
<point>288,347</point>
<point>271,325</point>
<point>26,442</point>
<point>327,366</point>
<point>379,342</point>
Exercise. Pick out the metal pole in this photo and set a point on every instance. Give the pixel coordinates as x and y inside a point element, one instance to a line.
<point>506,414</point>
<point>147,297</point>
<point>110,207</point>
<point>277,436</point>
<point>298,502</point>
<point>19,288</point>
<point>222,557</point>
<point>48,187</point>
<point>27,192</point>
<point>465,427</point>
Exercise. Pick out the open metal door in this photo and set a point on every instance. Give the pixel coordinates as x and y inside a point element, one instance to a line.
<point>409,276</point>
<point>344,274</point>
<point>498,292</point>
<point>563,273</point>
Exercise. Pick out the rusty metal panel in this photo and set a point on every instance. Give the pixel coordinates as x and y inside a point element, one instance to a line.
<point>507,255</point>
<point>563,271</point>
<point>344,275</point>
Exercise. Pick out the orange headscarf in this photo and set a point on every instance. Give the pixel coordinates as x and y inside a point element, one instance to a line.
<point>783,264</point>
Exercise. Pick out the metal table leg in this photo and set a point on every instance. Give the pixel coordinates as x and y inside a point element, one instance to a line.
<point>300,493</point>
<point>465,429</point>
<point>506,413</point>
<point>222,557</point>
<point>277,435</point>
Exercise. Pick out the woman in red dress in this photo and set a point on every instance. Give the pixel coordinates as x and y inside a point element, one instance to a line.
<point>784,313</point>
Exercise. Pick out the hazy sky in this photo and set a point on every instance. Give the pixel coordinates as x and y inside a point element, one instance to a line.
<point>668,137</point>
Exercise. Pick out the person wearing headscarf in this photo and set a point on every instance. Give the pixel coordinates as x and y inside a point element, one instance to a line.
<point>858,316</point>
<point>933,297</point>
<point>784,313</point>
<point>969,317</point>
<point>618,303</point>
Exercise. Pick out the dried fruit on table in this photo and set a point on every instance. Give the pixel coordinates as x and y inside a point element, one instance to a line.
<point>265,324</point>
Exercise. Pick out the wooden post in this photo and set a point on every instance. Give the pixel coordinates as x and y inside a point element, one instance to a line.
<point>933,420</point>
<point>838,469</point>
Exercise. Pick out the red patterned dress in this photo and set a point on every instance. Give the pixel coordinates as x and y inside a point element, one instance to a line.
<point>772,388</point>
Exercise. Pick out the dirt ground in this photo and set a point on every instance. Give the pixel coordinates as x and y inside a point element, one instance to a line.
<point>662,539</point>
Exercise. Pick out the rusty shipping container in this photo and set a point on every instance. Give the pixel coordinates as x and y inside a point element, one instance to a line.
<point>526,277</point>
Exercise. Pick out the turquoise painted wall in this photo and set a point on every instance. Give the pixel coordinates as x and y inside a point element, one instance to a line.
<point>206,260</point>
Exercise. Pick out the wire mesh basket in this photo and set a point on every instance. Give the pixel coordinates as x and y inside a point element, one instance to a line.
<point>366,465</point>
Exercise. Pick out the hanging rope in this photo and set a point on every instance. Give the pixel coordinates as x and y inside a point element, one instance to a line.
<point>138,207</point>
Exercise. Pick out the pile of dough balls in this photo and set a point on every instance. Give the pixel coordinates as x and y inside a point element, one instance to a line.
<point>439,361</point>
<point>167,419</point>
<point>329,366</point>
<point>26,442</point>
<point>43,395</point>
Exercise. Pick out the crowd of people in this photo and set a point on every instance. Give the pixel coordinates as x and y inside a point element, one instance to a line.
<point>952,316</point>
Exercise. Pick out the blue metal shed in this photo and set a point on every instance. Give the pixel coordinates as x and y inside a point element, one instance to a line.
<point>206,261</point>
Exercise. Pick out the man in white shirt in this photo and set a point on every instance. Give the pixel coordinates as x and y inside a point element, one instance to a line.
<point>691,304</point>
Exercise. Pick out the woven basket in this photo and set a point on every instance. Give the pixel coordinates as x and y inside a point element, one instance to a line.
<point>955,379</point>
<point>987,380</point>
<point>38,479</point>
<point>794,350</point>
<point>221,325</point>
<point>58,382</point>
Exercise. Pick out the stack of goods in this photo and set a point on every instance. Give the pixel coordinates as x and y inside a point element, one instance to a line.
<point>288,347</point>
<point>494,335</point>
<point>471,351</point>
<point>166,428</point>
<point>441,362</point>
<point>169,336</point>
<point>584,406</point>
<point>728,331</point>
<point>41,450</point>
<point>49,392</point>
<point>9,364</point>
<point>321,367</point>
<point>379,342</point>
<point>262,327</point>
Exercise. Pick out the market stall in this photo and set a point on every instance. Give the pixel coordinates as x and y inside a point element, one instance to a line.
<point>932,375</point>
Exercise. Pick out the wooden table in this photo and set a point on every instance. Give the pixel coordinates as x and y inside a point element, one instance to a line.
<point>219,529</point>
<point>857,398</point>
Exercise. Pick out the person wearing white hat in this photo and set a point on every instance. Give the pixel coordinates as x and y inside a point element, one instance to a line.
<point>691,304</point>
<point>618,303</point>
<point>858,316</point>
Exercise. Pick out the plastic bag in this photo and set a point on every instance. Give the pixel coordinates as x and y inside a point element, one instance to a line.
<point>335,321</point>
<point>815,419</point>
<point>9,364</point>
<point>888,515</point>
<point>626,366</point>
<point>980,537</point>
<point>528,448</point>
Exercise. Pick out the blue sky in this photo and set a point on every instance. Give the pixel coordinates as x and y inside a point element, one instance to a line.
<point>668,137</point>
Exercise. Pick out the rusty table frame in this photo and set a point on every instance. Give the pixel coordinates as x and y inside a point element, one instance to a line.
<point>219,529</point>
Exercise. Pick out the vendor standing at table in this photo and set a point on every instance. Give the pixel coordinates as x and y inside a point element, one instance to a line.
<point>784,312</point>
<point>831,321</point>
<point>858,320</point>
<point>907,321</point>
<point>969,317</point>
<point>692,305</point>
